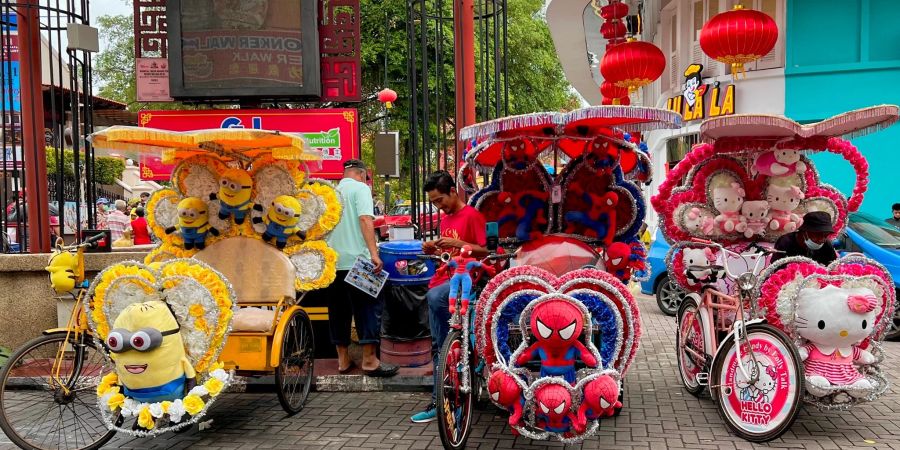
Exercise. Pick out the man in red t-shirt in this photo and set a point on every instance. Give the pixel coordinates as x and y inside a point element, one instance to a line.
<point>461,225</point>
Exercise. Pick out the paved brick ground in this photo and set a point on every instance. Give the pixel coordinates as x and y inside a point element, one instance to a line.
<point>658,414</point>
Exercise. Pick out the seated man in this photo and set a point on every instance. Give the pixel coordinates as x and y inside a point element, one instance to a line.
<point>811,240</point>
<point>461,225</point>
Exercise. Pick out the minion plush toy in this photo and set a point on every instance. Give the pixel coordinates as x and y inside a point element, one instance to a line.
<point>281,220</point>
<point>193,223</point>
<point>235,188</point>
<point>148,351</point>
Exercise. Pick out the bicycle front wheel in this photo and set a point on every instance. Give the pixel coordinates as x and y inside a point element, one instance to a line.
<point>454,407</point>
<point>763,410</point>
<point>48,406</point>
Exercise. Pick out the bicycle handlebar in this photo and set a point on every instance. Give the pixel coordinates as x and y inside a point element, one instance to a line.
<point>89,242</point>
<point>757,266</point>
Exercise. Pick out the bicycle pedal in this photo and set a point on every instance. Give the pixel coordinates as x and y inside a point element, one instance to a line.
<point>702,378</point>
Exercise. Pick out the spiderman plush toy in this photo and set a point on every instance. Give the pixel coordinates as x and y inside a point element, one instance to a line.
<point>556,325</point>
<point>461,281</point>
<point>554,408</point>
<point>525,208</point>
<point>601,398</point>
<point>600,219</point>
<point>505,391</point>
<point>619,261</point>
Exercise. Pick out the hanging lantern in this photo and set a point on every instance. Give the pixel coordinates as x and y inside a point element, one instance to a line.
<point>387,96</point>
<point>610,90</point>
<point>614,11</point>
<point>613,30</point>
<point>738,37</point>
<point>633,64</point>
<point>624,101</point>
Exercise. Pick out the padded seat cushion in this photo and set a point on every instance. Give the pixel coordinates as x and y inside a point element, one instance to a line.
<point>253,319</point>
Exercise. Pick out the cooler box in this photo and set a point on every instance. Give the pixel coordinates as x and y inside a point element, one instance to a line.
<point>402,265</point>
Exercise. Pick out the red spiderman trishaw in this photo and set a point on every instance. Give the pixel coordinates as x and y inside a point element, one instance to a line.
<point>766,337</point>
<point>555,329</point>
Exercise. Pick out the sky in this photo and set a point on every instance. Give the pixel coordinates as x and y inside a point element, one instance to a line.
<point>109,7</point>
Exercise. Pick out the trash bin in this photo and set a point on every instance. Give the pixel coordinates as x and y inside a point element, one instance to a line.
<point>406,335</point>
<point>402,264</point>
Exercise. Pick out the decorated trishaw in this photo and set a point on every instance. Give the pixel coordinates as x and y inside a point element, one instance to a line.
<point>241,234</point>
<point>766,337</point>
<point>553,333</point>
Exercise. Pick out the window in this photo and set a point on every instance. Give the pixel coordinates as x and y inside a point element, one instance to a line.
<point>875,231</point>
<point>679,146</point>
<point>775,10</point>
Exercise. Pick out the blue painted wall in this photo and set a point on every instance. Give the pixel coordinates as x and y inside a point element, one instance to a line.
<point>842,55</point>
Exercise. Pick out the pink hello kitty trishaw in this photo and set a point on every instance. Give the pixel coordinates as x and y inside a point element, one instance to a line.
<point>766,337</point>
<point>551,337</point>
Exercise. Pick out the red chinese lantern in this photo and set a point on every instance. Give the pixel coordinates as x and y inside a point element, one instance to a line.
<point>738,36</point>
<point>624,101</point>
<point>614,11</point>
<point>613,30</point>
<point>387,96</point>
<point>633,64</point>
<point>610,90</point>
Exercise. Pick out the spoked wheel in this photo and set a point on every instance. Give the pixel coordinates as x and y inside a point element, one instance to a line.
<point>44,405</point>
<point>893,331</point>
<point>764,410</point>
<point>294,374</point>
<point>668,296</point>
<point>454,408</point>
<point>690,346</point>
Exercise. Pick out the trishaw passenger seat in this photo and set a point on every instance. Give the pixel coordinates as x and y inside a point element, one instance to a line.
<point>260,274</point>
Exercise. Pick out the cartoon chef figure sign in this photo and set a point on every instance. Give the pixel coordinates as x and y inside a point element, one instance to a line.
<point>693,84</point>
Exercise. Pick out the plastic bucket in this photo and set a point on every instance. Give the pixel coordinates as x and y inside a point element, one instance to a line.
<point>412,353</point>
<point>402,265</point>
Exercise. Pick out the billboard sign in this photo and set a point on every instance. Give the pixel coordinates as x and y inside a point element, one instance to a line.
<point>332,132</point>
<point>9,69</point>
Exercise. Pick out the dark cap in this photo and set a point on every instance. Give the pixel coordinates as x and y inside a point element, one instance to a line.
<point>817,222</point>
<point>354,164</point>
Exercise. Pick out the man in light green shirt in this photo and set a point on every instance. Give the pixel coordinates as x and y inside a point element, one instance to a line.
<point>355,237</point>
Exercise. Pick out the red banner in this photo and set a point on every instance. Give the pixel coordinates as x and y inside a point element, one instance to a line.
<point>333,132</point>
<point>153,169</point>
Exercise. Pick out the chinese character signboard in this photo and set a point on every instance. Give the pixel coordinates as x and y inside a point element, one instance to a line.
<point>332,132</point>
<point>701,100</point>
<point>152,80</point>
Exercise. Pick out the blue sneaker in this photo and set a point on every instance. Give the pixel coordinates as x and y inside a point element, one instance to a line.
<point>426,416</point>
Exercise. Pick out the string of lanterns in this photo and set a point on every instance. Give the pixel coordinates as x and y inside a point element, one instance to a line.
<point>628,64</point>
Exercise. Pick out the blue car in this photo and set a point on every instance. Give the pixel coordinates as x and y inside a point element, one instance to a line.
<point>864,234</point>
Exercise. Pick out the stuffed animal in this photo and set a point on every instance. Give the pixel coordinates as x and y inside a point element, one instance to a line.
<point>601,398</point>
<point>505,391</point>
<point>783,201</point>
<point>148,351</point>
<point>834,321</point>
<point>599,220</point>
<point>778,163</point>
<point>64,271</point>
<point>281,220</point>
<point>461,281</point>
<point>235,189</point>
<point>515,155</point>
<point>699,221</point>
<point>728,201</point>
<point>700,258</point>
<point>528,209</point>
<point>618,261</point>
<point>193,223</point>
<point>556,326</point>
<point>553,408</point>
<point>756,213</point>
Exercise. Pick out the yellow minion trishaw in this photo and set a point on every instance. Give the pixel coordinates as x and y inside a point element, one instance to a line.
<point>242,234</point>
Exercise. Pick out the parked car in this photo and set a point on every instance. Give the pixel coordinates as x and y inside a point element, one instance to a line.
<point>668,295</point>
<point>864,234</point>
<point>402,215</point>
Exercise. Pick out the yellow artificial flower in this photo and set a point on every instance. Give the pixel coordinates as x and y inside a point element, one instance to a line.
<point>201,325</point>
<point>214,386</point>
<point>165,406</point>
<point>216,366</point>
<point>193,404</point>
<point>145,419</point>
<point>115,402</point>
<point>108,382</point>
<point>196,310</point>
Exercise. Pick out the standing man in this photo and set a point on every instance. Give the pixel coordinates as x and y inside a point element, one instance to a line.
<point>118,220</point>
<point>101,213</point>
<point>461,225</point>
<point>895,216</point>
<point>144,197</point>
<point>355,237</point>
<point>811,240</point>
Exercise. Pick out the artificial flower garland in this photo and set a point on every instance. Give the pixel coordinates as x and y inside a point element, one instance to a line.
<point>333,209</point>
<point>327,271</point>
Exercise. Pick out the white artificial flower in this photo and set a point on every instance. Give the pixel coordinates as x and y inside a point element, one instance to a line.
<point>131,407</point>
<point>156,410</point>
<point>199,390</point>
<point>220,374</point>
<point>176,410</point>
<point>105,399</point>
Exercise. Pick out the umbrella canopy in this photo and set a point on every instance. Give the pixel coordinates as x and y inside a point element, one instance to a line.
<point>230,143</point>
<point>556,254</point>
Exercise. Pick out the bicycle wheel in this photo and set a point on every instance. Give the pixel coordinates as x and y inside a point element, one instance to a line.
<point>690,346</point>
<point>294,374</point>
<point>764,410</point>
<point>454,408</point>
<point>36,413</point>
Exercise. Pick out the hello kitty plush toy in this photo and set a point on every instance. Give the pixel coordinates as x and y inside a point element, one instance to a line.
<point>778,163</point>
<point>728,201</point>
<point>783,201</point>
<point>756,212</point>
<point>834,321</point>
<point>700,257</point>
<point>699,221</point>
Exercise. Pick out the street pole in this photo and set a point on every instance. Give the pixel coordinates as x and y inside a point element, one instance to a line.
<point>464,55</point>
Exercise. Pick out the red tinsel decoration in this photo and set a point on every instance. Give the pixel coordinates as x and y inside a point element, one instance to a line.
<point>738,36</point>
